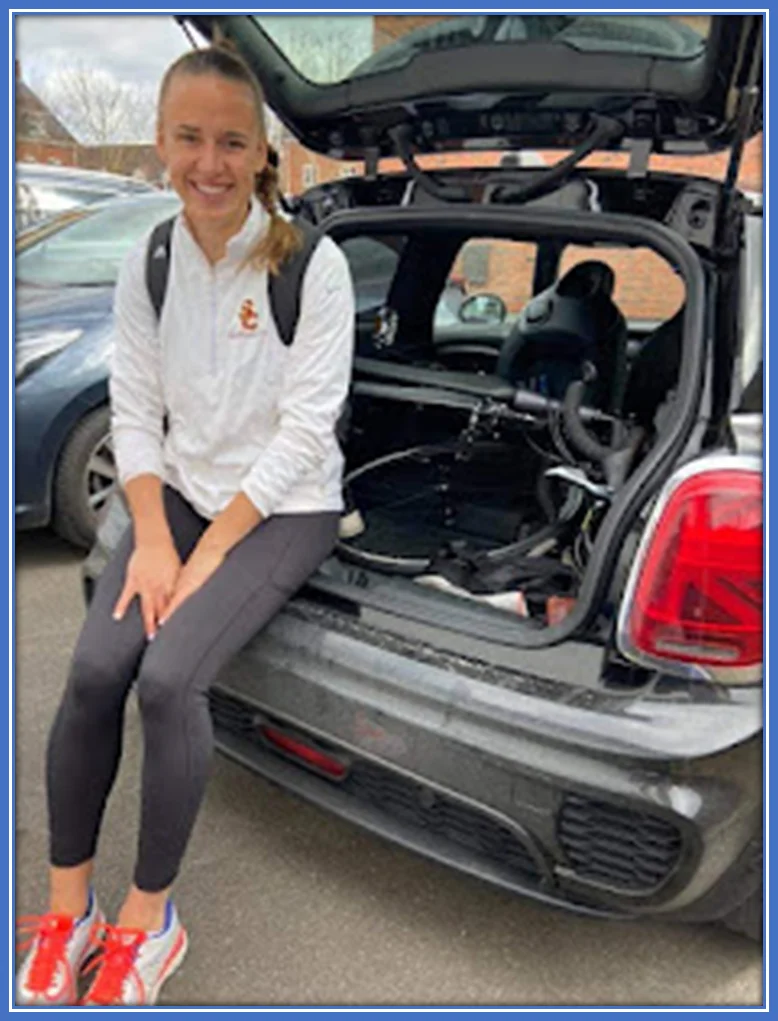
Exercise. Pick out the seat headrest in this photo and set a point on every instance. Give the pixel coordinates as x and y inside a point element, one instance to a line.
<point>572,322</point>
<point>587,280</point>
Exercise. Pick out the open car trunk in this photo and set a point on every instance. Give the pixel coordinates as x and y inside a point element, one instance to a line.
<point>474,503</point>
<point>493,485</point>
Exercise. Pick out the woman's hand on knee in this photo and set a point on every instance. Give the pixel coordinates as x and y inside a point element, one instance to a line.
<point>152,575</point>
<point>203,563</point>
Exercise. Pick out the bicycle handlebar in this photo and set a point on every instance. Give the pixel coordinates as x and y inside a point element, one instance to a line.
<point>478,387</point>
<point>532,403</point>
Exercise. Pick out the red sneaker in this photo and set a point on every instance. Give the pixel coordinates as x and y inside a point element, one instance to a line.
<point>134,964</point>
<point>59,947</point>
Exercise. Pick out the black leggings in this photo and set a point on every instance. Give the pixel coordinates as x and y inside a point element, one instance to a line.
<point>172,675</point>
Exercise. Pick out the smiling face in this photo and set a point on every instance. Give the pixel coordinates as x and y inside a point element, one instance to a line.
<point>210,138</point>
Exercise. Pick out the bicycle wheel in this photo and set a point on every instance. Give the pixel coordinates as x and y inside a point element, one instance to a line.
<point>416,501</point>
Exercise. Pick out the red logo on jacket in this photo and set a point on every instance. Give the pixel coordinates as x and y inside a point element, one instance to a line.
<point>248,317</point>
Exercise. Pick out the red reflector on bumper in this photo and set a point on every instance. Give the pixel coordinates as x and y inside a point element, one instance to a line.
<point>307,754</point>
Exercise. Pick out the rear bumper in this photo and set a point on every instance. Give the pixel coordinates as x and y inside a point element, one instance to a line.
<point>618,806</point>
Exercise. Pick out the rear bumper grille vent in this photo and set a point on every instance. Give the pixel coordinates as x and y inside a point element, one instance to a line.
<point>445,817</point>
<point>401,798</point>
<point>619,847</point>
<point>232,714</point>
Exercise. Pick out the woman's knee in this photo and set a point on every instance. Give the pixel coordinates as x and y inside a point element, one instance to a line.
<point>95,675</point>
<point>160,688</point>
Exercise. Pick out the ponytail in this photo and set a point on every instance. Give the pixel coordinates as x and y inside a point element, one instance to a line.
<point>282,239</point>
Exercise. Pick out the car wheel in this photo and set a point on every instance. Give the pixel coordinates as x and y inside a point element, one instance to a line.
<point>85,479</point>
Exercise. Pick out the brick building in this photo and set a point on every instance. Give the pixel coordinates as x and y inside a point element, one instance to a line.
<point>132,159</point>
<point>42,138</point>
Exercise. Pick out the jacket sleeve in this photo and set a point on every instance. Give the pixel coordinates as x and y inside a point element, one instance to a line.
<point>315,382</point>
<point>135,385</point>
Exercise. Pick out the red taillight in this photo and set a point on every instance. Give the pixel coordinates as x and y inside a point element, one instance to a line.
<point>696,597</point>
<point>307,754</point>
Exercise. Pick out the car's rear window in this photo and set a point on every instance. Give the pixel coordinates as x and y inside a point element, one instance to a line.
<point>327,49</point>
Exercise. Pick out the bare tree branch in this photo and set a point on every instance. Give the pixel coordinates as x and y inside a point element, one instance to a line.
<point>97,108</point>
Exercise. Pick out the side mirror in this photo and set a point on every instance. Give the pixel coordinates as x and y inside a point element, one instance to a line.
<point>483,308</point>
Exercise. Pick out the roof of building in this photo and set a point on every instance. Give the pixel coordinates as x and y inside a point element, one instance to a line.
<point>35,121</point>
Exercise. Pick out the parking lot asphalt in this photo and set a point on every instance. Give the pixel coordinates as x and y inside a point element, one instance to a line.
<point>286,905</point>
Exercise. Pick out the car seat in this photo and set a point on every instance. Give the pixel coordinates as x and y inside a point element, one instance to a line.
<point>654,371</point>
<point>573,322</point>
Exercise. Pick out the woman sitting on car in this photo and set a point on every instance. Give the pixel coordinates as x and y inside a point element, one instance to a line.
<point>234,504</point>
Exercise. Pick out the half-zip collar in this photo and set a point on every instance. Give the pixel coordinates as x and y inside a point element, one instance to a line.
<point>240,245</point>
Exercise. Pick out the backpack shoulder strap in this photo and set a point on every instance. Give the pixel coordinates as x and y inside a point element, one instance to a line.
<point>158,263</point>
<point>285,288</point>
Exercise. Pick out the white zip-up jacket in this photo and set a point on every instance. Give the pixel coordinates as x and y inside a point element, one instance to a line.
<point>245,413</point>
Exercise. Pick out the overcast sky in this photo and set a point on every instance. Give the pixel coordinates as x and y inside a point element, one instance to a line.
<point>138,48</point>
<point>135,48</point>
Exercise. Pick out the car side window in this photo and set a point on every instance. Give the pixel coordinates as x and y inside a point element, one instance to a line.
<point>490,267</point>
<point>373,263</point>
<point>89,251</point>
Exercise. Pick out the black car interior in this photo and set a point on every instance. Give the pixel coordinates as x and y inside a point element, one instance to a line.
<point>512,452</point>
<point>569,322</point>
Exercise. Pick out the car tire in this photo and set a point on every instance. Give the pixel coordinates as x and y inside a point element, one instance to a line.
<point>84,479</point>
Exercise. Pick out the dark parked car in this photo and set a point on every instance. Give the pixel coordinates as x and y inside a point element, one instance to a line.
<point>540,657</point>
<point>65,275</point>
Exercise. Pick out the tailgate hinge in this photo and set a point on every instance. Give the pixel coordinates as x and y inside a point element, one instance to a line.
<point>640,139</point>
<point>639,155</point>
<point>372,156</point>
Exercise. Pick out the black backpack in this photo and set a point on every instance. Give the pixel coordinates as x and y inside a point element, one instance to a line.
<point>284,288</point>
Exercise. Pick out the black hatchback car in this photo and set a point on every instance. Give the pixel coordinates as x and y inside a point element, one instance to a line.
<point>536,653</point>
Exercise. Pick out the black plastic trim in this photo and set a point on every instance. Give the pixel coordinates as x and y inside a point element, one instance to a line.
<point>313,789</point>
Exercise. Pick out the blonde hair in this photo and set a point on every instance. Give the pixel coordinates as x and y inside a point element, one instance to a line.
<point>282,239</point>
